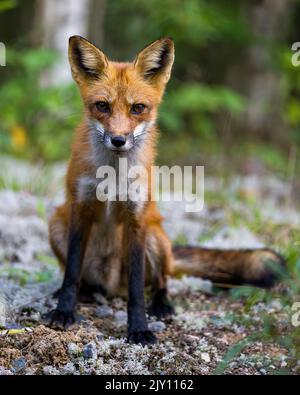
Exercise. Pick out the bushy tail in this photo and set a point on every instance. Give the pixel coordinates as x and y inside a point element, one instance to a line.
<point>260,267</point>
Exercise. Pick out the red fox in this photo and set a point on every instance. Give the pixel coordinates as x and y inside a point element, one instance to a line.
<point>112,246</point>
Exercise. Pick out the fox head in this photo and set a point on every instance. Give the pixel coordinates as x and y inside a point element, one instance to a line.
<point>121,99</point>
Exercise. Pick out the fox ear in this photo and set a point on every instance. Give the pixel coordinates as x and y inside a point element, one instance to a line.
<point>156,60</point>
<point>87,61</point>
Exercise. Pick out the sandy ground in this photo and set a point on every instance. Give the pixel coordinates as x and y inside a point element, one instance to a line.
<point>209,324</point>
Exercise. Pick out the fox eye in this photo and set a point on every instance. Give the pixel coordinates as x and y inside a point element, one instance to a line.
<point>138,108</point>
<point>102,106</point>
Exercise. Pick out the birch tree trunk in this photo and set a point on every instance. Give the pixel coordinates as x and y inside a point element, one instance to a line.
<point>55,22</point>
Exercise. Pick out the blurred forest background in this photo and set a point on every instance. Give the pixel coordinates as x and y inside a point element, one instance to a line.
<point>233,101</point>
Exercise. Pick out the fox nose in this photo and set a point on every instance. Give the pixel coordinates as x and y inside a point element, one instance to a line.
<point>118,141</point>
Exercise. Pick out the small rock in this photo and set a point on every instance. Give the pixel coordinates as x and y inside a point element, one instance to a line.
<point>99,298</point>
<point>157,326</point>
<point>103,311</point>
<point>5,372</point>
<point>69,369</point>
<point>30,372</point>
<point>18,364</point>
<point>121,318</point>
<point>205,357</point>
<point>263,371</point>
<point>100,337</point>
<point>276,305</point>
<point>190,339</point>
<point>50,371</point>
<point>90,351</point>
<point>36,316</point>
<point>73,349</point>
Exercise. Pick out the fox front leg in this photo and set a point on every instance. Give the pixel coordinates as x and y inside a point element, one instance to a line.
<point>64,315</point>
<point>138,331</point>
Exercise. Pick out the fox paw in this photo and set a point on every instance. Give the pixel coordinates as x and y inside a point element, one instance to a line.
<point>160,306</point>
<point>161,310</point>
<point>142,337</point>
<point>58,319</point>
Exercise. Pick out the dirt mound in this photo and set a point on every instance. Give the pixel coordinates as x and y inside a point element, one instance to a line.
<point>43,346</point>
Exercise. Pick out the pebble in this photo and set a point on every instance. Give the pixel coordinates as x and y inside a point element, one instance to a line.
<point>205,357</point>
<point>190,339</point>
<point>35,316</point>
<point>104,311</point>
<point>263,371</point>
<point>157,326</point>
<point>69,369</point>
<point>121,318</point>
<point>50,371</point>
<point>90,351</point>
<point>19,364</point>
<point>30,372</point>
<point>5,372</point>
<point>276,305</point>
<point>73,349</point>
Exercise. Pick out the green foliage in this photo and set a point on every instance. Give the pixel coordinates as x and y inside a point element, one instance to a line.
<point>189,109</point>
<point>194,25</point>
<point>7,4</point>
<point>41,209</point>
<point>36,120</point>
<point>233,352</point>
<point>23,276</point>
<point>181,239</point>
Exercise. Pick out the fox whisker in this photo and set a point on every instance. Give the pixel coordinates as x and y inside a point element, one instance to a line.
<point>100,132</point>
<point>137,136</point>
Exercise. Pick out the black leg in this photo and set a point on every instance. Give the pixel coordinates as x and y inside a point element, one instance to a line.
<point>138,331</point>
<point>64,315</point>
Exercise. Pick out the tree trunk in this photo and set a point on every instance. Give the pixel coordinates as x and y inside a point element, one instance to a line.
<point>15,23</point>
<point>96,24</point>
<point>55,22</point>
<point>254,77</point>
